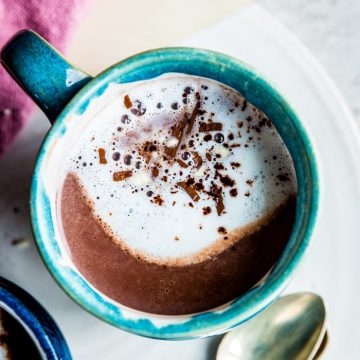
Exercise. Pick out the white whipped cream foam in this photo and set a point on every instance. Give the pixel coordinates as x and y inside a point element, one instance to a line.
<point>152,215</point>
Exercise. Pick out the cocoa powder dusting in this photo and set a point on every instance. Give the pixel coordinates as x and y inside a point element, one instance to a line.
<point>233,192</point>
<point>206,210</point>
<point>219,166</point>
<point>199,186</point>
<point>226,180</point>
<point>222,230</point>
<point>283,177</point>
<point>158,200</point>
<point>250,182</point>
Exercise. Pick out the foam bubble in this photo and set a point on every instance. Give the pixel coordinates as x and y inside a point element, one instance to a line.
<point>229,154</point>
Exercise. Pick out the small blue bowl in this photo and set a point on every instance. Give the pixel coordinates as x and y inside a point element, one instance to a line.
<point>35,319</point>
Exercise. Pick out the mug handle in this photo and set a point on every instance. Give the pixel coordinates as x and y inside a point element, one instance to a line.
<point>42,72</point>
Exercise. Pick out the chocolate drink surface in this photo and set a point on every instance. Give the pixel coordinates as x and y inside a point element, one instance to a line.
<point>178,195</point>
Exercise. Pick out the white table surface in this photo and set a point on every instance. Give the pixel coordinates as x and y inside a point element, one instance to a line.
<point>331,264</point>
<point>331,31</point>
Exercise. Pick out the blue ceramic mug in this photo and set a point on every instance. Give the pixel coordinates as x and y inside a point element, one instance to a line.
<point>62,90</point>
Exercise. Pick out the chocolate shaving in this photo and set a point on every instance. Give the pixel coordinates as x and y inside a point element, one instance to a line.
<point>155,172</point>
<point>102,158</point>
<point>215,192</point>
<point>181,163</point>
<point>177,132</point>
<point>192,118</point>
<point>190,190</point>
<point>208,156</point>
<point>127,102</point>
<point>219,204</point>
<point>197,159</point>
<point>210,127</point>
<point>122,175</point>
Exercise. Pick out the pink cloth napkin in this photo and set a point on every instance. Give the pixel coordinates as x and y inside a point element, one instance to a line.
<point>52,19</point>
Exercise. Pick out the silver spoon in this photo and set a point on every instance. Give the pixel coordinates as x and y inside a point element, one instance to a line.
<point>291,328</point>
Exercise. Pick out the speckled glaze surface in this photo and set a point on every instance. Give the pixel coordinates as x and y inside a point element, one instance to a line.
<point>35,319</point>
<point>258,91</point>
<point>50,80</point>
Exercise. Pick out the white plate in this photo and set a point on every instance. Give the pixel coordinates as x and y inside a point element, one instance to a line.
<point>331,265</point>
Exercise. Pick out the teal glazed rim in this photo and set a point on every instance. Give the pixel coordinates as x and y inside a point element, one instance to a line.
<point>263,95</point>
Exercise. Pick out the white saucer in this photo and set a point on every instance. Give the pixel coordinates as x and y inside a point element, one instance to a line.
<point>331,266</point>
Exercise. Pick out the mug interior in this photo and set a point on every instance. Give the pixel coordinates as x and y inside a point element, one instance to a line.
<point>145,66</point>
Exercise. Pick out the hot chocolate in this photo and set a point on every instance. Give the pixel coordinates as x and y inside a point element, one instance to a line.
<point>178,196</point>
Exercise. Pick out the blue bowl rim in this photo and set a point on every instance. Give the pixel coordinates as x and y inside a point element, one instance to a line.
<point>36,319</point>
<point>208,323</point>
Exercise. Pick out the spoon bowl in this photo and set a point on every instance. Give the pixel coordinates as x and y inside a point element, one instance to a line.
<point>291,328</point>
